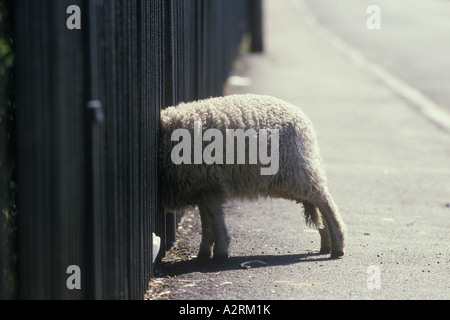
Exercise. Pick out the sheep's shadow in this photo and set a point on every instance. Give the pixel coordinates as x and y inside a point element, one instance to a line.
<point>176,268</point>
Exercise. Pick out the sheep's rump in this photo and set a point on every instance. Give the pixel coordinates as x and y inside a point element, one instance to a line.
<point>299,177</point>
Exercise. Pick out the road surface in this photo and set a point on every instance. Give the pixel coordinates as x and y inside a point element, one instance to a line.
<point>413,42</point>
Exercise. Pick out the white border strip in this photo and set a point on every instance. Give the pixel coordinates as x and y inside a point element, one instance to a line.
<point>417,99</point>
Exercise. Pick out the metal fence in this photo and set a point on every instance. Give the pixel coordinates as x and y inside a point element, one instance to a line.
<point>88,106</point>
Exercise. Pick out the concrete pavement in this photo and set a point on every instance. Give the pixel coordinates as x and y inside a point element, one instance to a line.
<point>388,170</point>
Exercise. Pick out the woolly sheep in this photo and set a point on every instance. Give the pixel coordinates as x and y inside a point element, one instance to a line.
<point>299,177</point>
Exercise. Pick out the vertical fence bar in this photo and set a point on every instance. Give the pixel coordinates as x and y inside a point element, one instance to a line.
<point>255,21</point>
<point>92,280</point>
<point>93,144</point>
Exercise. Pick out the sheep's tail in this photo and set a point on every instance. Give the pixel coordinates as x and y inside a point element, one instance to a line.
<point>312,215</point>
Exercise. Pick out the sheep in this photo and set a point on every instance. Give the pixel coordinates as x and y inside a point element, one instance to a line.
<point>298,176</point>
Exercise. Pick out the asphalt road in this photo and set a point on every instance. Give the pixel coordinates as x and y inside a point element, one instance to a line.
<point>413,42</point>
<point>388,170</point>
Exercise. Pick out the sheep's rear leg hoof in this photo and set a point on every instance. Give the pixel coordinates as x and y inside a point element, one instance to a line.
<point>325,250</point>
<point>220,257</point>
<point>220,254</point>
<point>204,254</point>
<point>337,254</point>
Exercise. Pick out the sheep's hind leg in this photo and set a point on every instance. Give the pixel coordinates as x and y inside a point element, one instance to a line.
<point>325,240</point>
<point>313,218</point>
<point>214,232</point>
<point>222,238</point>
<point>207,242</point>
<point>334,224</point>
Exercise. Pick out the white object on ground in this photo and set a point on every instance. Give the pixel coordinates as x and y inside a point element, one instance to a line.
<point>156,246</point>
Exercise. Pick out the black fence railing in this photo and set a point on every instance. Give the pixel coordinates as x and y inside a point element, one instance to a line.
<point>8,186</point>
<point>88,104</point>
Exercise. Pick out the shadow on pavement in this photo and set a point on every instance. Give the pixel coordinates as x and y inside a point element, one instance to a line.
<point>177,268</point>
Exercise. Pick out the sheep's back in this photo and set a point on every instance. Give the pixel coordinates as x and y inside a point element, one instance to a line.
<point>187,184</point>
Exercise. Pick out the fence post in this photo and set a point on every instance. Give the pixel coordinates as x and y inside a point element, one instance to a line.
<point>92,280</point>
<point>255,20</point>
<point>171,229</point>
